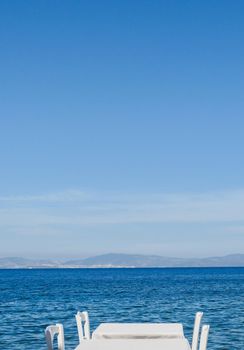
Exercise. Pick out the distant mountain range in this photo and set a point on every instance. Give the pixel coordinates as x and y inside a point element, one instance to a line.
<point>125,260</point>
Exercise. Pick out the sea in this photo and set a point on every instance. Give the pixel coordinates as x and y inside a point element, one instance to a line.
<point>32,299</point>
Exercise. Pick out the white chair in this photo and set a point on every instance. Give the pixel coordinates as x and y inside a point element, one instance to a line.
<point>83,325</point>
<point>50,333</point>
<point>196,330</point>
<point>204,337</point>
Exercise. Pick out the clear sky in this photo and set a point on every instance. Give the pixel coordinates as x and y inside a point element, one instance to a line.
<point>121,127</point>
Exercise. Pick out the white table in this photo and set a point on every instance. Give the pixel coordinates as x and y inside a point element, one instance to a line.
<point>135,344</point>
<point>138,331</point>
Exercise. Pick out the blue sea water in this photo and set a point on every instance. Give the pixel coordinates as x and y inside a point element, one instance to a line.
<point>32,299</point>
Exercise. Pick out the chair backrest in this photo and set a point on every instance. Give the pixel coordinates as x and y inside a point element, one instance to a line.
<point>50,333</point>
<point>83,325</point>
<point>204,337</point>
<point>196,330</point>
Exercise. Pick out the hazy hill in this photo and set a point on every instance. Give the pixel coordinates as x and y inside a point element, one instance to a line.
<point>128,260</point>
<point>125,260</point>
<point>16,262</point>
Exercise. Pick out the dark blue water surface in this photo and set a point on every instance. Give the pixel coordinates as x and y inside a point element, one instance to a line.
<point>32,299</point>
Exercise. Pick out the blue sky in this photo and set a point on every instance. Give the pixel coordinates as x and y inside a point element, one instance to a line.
<point>121,127</point>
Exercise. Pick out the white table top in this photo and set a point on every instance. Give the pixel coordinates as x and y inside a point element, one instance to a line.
<point>135,344</point>
<point>138,331</point>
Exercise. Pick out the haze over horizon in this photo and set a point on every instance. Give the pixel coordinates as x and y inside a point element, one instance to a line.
<point>80,257</point>
<point>121,128</point>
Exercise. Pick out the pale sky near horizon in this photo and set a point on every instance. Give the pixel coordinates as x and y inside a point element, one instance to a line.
<point>121,128</point>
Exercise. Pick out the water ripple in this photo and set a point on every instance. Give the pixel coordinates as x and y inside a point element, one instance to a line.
<point>32,299</point>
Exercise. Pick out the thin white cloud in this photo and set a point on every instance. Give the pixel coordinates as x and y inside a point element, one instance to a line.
<point>69,195</point>
<point>80,208</point>
<point>239,229</point>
